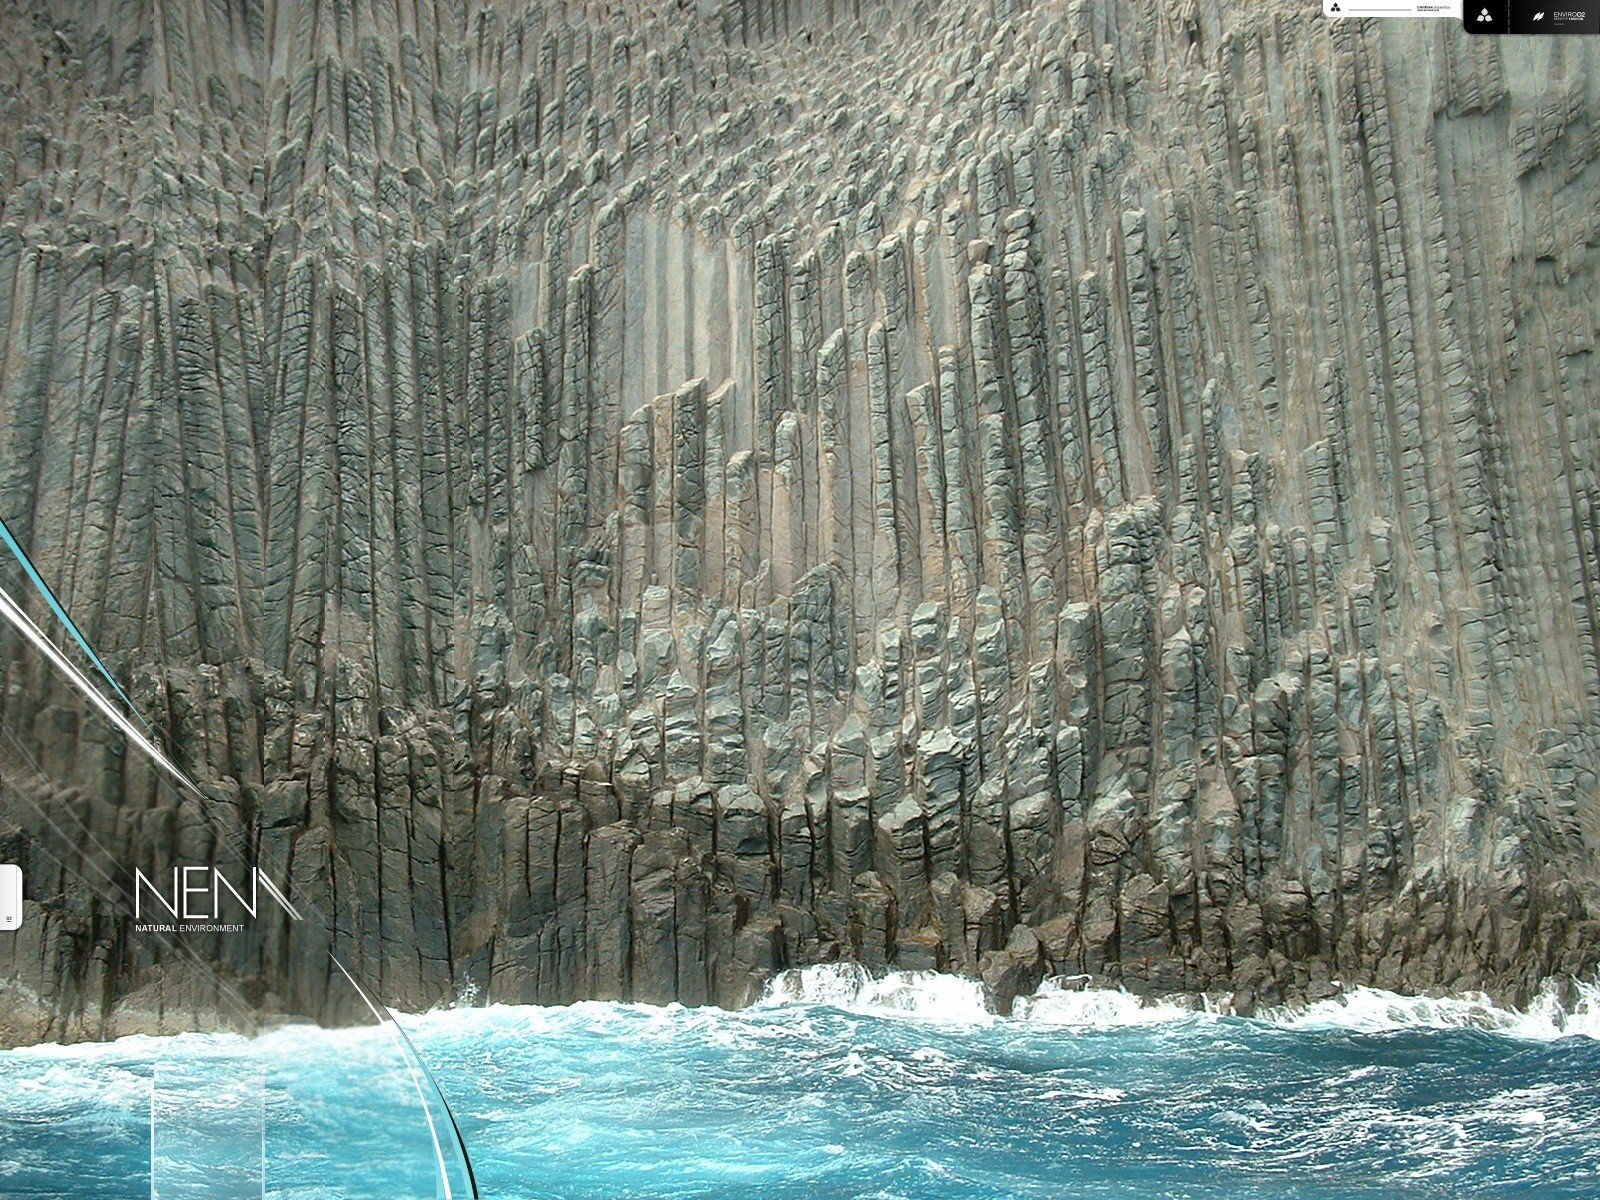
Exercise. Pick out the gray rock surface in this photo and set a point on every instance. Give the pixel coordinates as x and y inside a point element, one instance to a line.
<point>618,499</point>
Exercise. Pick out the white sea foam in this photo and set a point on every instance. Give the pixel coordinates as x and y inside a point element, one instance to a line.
<point>952,999</point>
<point>1065,1004</point>
<point>1373,1010</point>
<point>1580,1019</point>
<point>928,995</point>
<point>1059,1003</point>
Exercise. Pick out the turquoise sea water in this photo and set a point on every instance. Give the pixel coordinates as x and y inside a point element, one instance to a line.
<point>842,1087</point>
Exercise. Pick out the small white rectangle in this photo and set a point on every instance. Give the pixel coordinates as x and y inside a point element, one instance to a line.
<point>1337,9</point>
<point>10,896</point>
<point>208,1129</point>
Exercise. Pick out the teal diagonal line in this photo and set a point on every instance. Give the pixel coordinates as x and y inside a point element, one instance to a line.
<point>56,607</point>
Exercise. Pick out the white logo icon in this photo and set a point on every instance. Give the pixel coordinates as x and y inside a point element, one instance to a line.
<point>1538,16</point>
<point>197,894</point>
<point>10,896</point>
<point>1484,16</point>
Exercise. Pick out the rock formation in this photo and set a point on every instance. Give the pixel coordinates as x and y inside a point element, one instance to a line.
<point>617,499</point>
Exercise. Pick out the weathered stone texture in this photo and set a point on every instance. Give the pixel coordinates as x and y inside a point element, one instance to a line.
<point>618,499</point>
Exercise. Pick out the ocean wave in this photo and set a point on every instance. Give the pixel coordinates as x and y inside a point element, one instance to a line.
<point>1071,1003</point>
<point>1362,1009</point>
<point>1077,1090</point>
<point>1065,1003</point>
<point>1060,1003</point>
<point>955,1000</point>
<point>927,995</point>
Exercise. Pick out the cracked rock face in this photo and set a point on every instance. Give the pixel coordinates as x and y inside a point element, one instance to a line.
<point>615,500</point>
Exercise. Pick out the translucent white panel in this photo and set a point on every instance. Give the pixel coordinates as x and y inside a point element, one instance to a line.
<point>346,1121</point>
<point>207,1127</point>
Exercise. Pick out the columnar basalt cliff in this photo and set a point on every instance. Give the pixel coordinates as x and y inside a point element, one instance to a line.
<point>617,499</point>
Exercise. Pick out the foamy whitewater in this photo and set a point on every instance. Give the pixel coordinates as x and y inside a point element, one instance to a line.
<point>842,1086</point>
